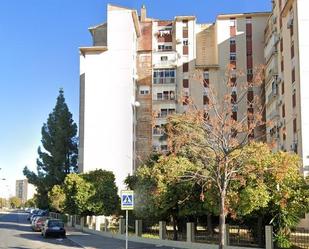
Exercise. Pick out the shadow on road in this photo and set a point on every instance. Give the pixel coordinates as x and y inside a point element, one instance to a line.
<point>51,240</point>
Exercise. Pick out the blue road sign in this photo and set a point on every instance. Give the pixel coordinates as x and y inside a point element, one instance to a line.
<point>127,200</point>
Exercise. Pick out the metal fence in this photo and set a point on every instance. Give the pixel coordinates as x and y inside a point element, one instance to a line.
<point>299,238</point>
<point>243,236</point>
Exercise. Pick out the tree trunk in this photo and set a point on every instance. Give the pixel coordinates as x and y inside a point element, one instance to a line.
<point>209,224</point>
<point>222,221</point>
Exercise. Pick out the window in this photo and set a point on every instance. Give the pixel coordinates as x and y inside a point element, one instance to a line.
<point>234,116</point>
<point>284,134</point>
<point>164,76</point>
<point>144,90</point>
<point>185,42</point>
<point>234,98</point>
<point>232,56</point>
<point>282,64</point>
<point>294,125</point>
<point>185,67</point>
<point>282,88</point>
<point>159,96</point>
<point>185,83</point>
<point>164,58</point>
<point>293,75</point>
<point>294,100</point>
<point>163,147</point>
<point>206,75</point>
<point>248,20</point>
<point>292,50</point>
<point>205,100</point>
<point>185,23</point>
<point>281,44</point>
<point>165,47</point>
<point>163,113</point>
<point>185,50</point>
<point>250,71</point>
<point>283,110</point>
<point>232,40</point>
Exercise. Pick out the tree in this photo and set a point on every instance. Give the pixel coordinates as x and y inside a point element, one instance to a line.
<point>105,200</point>
<point>31,202</point>
<point>15,202</point>
<point>77,194</point>
<point>160,192</point>
<point>59,156</point>
<point>3,202</point>
<point>56,198</point>
<point>220,134</point>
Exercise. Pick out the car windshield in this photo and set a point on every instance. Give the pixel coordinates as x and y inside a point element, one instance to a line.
<point>55,223</point>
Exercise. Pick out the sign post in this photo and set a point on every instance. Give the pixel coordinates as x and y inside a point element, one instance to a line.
<point>127,203</point>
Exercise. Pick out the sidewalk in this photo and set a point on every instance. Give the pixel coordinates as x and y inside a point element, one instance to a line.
<point>92,241</point>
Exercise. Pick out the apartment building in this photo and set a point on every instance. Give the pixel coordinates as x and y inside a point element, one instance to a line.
<point>287,74</point>
<point>140,70</point>
<point>22,190</point>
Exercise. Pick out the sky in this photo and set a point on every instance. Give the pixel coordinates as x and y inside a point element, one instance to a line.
<point>39,43</point>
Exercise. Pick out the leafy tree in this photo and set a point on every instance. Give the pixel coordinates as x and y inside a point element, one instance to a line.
<point>15,202</point>
<point>161,193</point>
<point>3,202</point>
<point>77,194</point>
<point>59,156</point>
<point>56,197</point>
<point>217,136</point>
<point>31,202</point>
<point>105,200</point>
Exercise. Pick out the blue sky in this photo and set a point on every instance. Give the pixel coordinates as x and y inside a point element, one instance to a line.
<point>39,43</point>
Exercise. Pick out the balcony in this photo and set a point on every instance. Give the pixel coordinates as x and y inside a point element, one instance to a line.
<point>272,95</point>
<point>271,74</point>
<point>157,131</point>
<point>164,81</point>
<point>164,97</point>
<point>164,59</point>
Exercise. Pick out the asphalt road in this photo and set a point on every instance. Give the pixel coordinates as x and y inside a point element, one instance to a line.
<point>15,232</point>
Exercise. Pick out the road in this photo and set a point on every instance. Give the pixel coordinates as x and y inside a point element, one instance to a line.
<point>15,233</point>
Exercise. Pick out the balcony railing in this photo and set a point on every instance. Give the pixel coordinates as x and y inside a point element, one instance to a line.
<point>164,80</point>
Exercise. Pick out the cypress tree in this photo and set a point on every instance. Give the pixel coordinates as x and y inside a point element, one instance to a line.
<point>59,154</point>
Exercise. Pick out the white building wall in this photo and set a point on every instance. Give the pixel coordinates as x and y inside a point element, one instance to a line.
<point>109,91</point>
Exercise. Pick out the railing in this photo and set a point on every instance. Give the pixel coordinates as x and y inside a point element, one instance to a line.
<point>243,236</point>
<point>164,80</point>
<point>299,237</point>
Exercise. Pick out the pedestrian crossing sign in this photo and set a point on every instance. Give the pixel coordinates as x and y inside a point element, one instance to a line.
<point>127,200</point>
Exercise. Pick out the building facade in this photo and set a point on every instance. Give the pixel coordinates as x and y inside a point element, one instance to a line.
<point>22,190</point>
<point>138,72</point>
<point>107,95</point>
<point>287,74</point>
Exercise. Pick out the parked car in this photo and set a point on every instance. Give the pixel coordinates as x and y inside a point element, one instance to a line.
<point>33,217</point>
<point>38,222</point>
<point>53,227</point>
<point>33,212</point>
